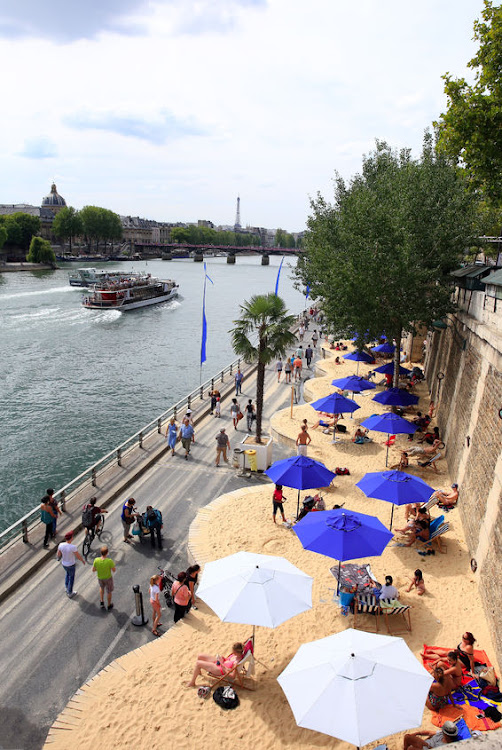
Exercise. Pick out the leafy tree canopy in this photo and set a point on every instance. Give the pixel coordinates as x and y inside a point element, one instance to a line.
<point>379,258</point>
<point>20,228</point>
<point>471,128</point>
<point>101,223</point>
<point>40,251</point>
<point>68,224</point>
<point>194,235</point>
<point>284,239</point>
<point>3,235</point>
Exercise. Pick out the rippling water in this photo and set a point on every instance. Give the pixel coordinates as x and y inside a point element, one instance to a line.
<point>75,383</point>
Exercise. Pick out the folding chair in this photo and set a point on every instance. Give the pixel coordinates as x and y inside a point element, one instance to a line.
<point>243,670</point>
<point>437,528</point>
<point>390,442</point>
<point>366,604</point>
<point>388,611</point>
<point>431,462</point>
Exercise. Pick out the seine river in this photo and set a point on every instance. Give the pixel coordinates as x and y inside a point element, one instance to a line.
<point>75,383</point>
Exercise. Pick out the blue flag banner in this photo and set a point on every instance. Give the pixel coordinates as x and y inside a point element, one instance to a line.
<point>204,320</point>
<point>307,294</point>
<point>278,277</point>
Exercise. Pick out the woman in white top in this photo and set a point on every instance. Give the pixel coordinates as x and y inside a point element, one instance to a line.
<point>388,591</point>
<point>155,602</point>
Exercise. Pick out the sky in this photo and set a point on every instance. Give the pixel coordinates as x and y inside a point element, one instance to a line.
<point>170,109</point>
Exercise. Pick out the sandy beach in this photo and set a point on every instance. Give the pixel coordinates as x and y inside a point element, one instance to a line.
<point>141,700</point>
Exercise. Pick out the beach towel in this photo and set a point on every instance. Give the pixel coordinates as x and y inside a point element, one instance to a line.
<point>468,713</point>
<point>359,576</point>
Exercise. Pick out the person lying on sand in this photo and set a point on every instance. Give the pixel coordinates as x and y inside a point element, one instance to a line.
<point>425,450</point>
<point>325,423</point>
<point>217,665</point>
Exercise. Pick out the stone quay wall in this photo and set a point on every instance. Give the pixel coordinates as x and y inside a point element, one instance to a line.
<point>463,367</point>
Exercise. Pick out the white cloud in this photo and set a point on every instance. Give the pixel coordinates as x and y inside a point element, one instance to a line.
<point>200,101</point>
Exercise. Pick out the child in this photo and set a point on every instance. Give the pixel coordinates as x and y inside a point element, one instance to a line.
<point>217,407</point>
<point>417,582</point>
<point>278,499</point>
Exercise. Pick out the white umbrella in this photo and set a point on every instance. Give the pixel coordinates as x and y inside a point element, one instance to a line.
<point>356,686</point>
<point>255,589</point>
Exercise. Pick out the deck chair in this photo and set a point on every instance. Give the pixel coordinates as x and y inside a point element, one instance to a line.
<point>366,604</point>
<point>431,502</point>
<point>390,442</point>
<point>402,609</point>
<point>243,670</point>
<point>438,527</point>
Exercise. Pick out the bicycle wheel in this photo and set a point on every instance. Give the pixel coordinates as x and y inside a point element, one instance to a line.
<point>100,527</point>
<point>86,546</point>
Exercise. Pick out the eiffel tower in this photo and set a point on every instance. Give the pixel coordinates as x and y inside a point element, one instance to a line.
<point>237,224</point>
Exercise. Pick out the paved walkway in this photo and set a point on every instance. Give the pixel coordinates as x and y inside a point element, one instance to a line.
<point>51,645</point>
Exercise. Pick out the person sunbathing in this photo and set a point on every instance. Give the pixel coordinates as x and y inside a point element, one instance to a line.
<point>447,498</point>
<point>451,666</point>
<point>440,690</point>
<point>417,582</point>
<point>425,450</point>
<point>326,424</point>
<point>420,532</point>
<point>403,462</point>
<point>445,736</point>
<point>217,666</point>
<point>465,651</point>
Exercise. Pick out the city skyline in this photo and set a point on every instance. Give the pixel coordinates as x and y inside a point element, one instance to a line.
<point>170,110</point>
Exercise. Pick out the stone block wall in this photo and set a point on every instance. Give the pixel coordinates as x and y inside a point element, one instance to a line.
<point>468,400</point>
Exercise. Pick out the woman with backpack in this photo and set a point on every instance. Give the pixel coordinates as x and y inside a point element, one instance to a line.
<point>181,596</point>
<point>191,581</point>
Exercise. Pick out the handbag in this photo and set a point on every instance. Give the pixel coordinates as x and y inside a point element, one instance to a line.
<point>239,416</point>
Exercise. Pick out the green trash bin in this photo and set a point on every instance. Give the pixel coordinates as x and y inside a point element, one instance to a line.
<point>253,463</point>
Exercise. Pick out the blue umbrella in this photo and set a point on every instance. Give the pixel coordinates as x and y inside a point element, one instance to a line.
<point>359,356</point>
<point>335,403</point>
<point>390,423</point>
<point>396,397</point>
<point>395,487</point>
<point>344,535</point>
<point>353,383</point>
<point>388,369</point>
<point>300,472</point>
<point>384,348</point>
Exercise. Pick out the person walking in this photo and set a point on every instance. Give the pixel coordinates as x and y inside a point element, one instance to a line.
<point>278,500</point>
<point>315,338</point>
<point>309,353</point>
<point>302,441</point>
<point>235,410</point>
<point>153,522</point>
<point>217,407</point>
<point>128,516</point>
<point>104,567</point>
<point>239,377</point>
<point>172,434</point>
<point>188,416</point>
<point>298,368</point>
<point>47,516</point>
<point>250,414</point>
<point>278,368</point>
<point>215,394</point>
<point>181,596</point>
<point>287,370</point>
<point>186,434</point>
<point>222,443</point>
<point>301,331</point>
<point>155,602</point>
<point>68,554</point>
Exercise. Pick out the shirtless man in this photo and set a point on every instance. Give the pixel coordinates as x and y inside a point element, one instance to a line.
<point>447,498</point>
<point>302,441</point>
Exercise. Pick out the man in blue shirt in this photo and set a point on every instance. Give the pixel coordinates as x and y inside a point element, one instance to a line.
<point>239,377</point>
<point>186,434</point>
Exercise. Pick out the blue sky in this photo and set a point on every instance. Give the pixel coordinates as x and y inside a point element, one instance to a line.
<point>169,109</point>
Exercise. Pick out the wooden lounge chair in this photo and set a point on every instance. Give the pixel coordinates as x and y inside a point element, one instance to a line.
<point>402,609</point>
<point>438,527</point>
<point>366,604</point>
<point>431,462</point>
<point>243,672</point>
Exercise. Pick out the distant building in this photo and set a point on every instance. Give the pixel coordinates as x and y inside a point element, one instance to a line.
<point>51,204</point>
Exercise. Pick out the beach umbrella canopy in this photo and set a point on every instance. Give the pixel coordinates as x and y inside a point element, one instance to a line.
<point>395,487</point>
<point>342,534</point>
<point>384,348</point>
<point>396,397</point>
<point>359,356</point>
<point>300,472</point>
<point>388,369</point>
<point>335,403</point>
<point>353,383</point>
<point>391,424</point>
<point>356,686</point>
<point>255,589</point>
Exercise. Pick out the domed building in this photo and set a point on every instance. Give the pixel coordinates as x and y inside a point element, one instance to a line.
<point>54,202</point>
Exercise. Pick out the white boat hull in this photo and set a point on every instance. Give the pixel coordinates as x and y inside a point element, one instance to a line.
<point>133,305</point>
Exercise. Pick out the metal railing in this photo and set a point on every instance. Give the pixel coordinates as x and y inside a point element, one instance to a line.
<point>32,518</point>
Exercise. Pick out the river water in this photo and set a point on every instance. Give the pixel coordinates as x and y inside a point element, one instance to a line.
<point>75,383</point>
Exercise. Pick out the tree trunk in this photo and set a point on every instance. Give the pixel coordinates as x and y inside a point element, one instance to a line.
<point>260,386</point>
<point>397,363</point>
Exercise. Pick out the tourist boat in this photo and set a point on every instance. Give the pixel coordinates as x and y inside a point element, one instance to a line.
<point>137,290</point>
<point>87,277</point>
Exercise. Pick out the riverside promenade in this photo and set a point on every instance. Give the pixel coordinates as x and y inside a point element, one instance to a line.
<point>51,645</point>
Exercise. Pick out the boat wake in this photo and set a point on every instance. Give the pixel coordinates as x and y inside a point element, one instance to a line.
<point>54,290</point>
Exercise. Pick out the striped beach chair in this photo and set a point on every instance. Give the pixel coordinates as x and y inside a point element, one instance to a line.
<point>387,610</point>
<point>366,604</point>
<point>438,527</point>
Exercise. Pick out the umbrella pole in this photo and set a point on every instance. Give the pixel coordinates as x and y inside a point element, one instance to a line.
<point>338,582</point>
<point>387,454</point>
<point>298,506</point>
<point>391,517</point>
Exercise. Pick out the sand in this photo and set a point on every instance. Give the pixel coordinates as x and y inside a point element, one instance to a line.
<point>141,700</point>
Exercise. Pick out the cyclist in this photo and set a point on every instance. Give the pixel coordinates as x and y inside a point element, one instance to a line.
<point>92,516</point>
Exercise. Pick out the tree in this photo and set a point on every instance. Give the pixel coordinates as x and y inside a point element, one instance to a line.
<point>3,236</point>
<point>29,226</point>
<point>380,257</point>
<point>100,224</point>
<point>68,224</point>
<point>262,334</point>
<point>471,128</point>
<point>40,252</point>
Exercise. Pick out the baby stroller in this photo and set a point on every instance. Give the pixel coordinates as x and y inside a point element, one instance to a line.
<point>166,581</point>
<point>308,504</point>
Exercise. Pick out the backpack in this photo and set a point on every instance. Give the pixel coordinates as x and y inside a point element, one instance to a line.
<point>226,697</point>
<point>87,519</point>
<point>153,518</point>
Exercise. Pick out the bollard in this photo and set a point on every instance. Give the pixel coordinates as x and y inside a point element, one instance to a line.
<point>140,439</point>
<point>119,456</point>
<point>230,369</point>
<point>63,501</point>
<point>189,405</point>
<point>24,527</point>
<point>93,474</point>
<point>159,426</point>
<point>201,392</point>
<point>212,385</point>
<point>139,617</point>
<point>222,376</point>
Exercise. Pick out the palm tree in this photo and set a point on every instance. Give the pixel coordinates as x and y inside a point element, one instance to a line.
<point>264,321</point>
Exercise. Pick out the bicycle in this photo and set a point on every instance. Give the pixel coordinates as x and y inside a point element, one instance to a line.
<point>91,533</point>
